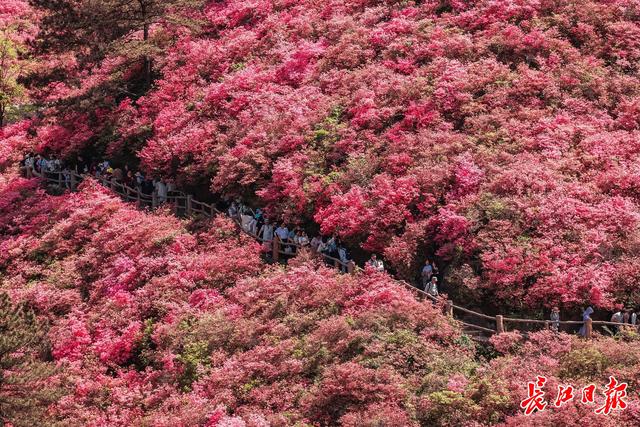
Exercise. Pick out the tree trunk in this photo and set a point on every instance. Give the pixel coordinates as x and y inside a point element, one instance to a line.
<point>145,36</point>
<point>147,60</point>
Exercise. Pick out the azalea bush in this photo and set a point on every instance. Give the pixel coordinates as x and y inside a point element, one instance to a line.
<point>496,136</point>
<point>182,328</point>
<point>156,320</point>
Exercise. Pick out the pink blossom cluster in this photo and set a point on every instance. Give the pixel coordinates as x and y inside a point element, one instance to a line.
<point>152,321</point>
<point>498,136</point>
<point>155,320</point>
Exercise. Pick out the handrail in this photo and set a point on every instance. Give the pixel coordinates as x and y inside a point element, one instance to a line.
<point>210,209</point>
<point>481,328</point>
<point>474,313</point>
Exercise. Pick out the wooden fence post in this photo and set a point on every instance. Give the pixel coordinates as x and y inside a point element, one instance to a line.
<point>588,328</point>
<point>449,308</point>
<point>59,179</point>
<point>139,199</point>
<point>74,181</point>
<point>276,248</point>
<point>154,200</point>
<point>499,324</point>
<point>547,325</point>
<point>189,207</point>
<point>351,267</point>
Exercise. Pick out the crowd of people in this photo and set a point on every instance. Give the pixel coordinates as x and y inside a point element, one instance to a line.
<point>624,319</point>
<point>294,238</point>
<point>41,164</point>
<point>151,186</point>
<point>291,239</point>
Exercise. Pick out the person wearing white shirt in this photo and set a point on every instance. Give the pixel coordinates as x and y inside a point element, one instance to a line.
<point>283,232</point>
<point>266,231</point>
<point>433,287</point>
<point>617,318</point>
<point>303,240</point>
<point>161,191</point>
<point>376,263</point>
<point>315,243</point>
<point>322,246</point>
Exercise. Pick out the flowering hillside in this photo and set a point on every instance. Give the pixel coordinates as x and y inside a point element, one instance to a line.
<point>499,135</point>
<point>157,321</point>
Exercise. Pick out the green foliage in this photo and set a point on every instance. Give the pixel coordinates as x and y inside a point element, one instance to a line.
<point>26,388</point>
<point>447,408</point>
<point>147,346</point>
<point>326,134</point>
<point>493,208</point>
<point>10,89</point>
<point>584,361</point>
<point>165,240</point>
<point>238,66</point>
<point>493,396</point>
<point>194,356</point>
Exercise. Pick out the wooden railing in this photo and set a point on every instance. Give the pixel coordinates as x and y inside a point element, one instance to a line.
<point>185,204</point>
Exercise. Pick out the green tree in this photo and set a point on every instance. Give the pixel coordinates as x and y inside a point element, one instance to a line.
<point>15,30</point>
<point>94,29</point>
<point>10,89</point>
<point>26,383</point>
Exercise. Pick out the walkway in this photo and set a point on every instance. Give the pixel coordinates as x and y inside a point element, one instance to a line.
<point>185,205</point>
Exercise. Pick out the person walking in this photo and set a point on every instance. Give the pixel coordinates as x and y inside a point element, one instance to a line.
<point>555,319</point>
<point>433,287</point>
<point>617,317</point>
<point>315,243</point>
<point>117,175</point>
<point>266,232</point>
<point>303,240</point>
<point>376,263</point>
<point>139,180</point>
<point>81,165</point>
<point>161,191</point>
<point>586,315</point>
<point>343,255</point>
<point>426,274</point>
<point>332,247</point>
<point>233,210</point>
<point>147,190</point>
<point>29,163</point>
<point>66,175</point>
<point>129,180</point>
<point>282,232</point>
<point>256,222</point>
